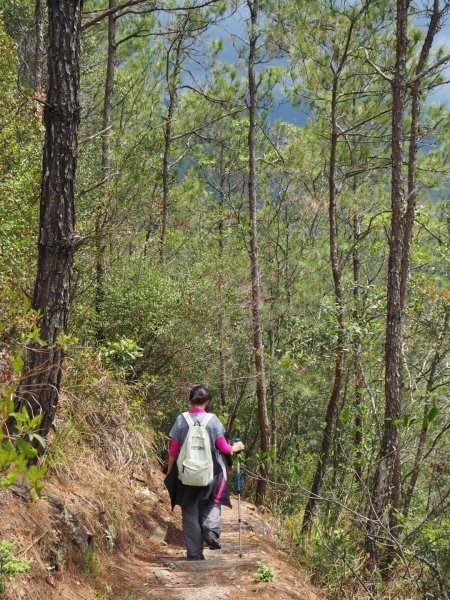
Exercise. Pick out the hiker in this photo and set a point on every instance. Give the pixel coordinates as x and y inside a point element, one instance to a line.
<point>200,505</point>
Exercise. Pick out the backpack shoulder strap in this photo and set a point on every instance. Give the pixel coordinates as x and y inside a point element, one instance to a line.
<point>207,419</point>
<point>189,420</point>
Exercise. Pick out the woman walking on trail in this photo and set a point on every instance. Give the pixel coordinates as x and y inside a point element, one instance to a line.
<point>200,505</point>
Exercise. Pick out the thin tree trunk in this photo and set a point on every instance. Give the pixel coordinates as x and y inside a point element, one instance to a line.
<point>258,347</point>
<point>39,390</point>
<point>333,404</point>
<point>425,422</point>
<point>387,477</point>
<point>272,395</point>
<point>222,351</point>
<point>172,82</point>
<point>238,402</point>
<point>102,208</point>
<point>412,153</point>
<point>39,19</point>
<point>359,376</point>
<point>165,179</point>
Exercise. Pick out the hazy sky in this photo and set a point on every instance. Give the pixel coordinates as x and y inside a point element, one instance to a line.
<point>233,27</point>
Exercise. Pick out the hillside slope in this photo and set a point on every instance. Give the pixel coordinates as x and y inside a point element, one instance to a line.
<point>114,537</point>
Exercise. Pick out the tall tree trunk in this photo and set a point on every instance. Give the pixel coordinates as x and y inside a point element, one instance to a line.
<point>359,375</point>
<point>387,476</point>
<point>165,180</point>
<point>333,404</point>
<point>172,83</point>
<point>102,208</point>
<point>258,347</point>
<point>272,396</point>
<point>42,373</point>
<point>222,350</point>
<point>39,19</point>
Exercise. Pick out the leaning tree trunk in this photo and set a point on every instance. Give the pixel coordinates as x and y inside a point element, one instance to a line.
<point>387,476</point>
<point>333,404</point>
<point>102,208</point>
<point>258,347</point>
<point>39,389</point>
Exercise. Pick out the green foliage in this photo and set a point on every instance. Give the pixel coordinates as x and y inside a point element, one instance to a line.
<point>265,573</point>
<point>121,354</point>
<point>17,452</point>
<point>20,150</point>
<point>10,566</point>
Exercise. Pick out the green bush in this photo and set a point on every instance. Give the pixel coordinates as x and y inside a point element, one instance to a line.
<point>265,572</point>
<point>9,564</point>
<point>121,354</point>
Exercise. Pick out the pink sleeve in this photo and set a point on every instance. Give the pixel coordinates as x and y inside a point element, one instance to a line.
<point>223,445</point>
<point>174,449</point>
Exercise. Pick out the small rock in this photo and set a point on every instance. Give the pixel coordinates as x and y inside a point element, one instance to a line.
<point>149,494</point>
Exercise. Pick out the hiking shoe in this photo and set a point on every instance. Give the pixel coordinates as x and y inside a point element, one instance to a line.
<point>200,557</point>
<point>212,542</point>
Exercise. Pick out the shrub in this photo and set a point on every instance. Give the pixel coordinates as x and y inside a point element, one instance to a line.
<point>265,572</point>
<point>9,564</point>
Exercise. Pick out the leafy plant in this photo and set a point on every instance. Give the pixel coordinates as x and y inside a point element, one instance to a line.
<point>121,354</point>
<point>17,453</point>
<point>9,564</point>
<point>265,572</point>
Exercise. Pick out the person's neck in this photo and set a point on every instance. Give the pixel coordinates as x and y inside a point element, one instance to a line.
<point>197,409</point>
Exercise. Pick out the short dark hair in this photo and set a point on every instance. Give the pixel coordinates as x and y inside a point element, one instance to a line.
<point>199,395</point>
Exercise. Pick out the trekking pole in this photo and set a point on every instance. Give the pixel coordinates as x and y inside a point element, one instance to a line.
<point>238,481</point>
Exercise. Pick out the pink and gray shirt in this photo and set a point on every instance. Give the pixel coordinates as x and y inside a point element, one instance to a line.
<point>214,428</point>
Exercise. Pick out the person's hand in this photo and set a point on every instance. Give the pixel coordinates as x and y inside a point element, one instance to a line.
<point>230,470</point>
<point>238,447</point>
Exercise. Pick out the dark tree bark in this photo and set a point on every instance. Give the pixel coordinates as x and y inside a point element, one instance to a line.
<point>102,208</point>
<point>40,386</point>
<point>333,404</point>
<point>258,346</point>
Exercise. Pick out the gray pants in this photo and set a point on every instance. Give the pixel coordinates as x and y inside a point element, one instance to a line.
<point>199,519</point>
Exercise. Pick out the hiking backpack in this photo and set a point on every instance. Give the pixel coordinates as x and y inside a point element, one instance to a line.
<point>195,463</point>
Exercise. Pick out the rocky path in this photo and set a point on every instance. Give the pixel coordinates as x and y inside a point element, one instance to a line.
<point>161,572</point>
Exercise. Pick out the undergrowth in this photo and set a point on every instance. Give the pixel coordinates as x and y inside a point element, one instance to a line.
<point>99,412</point>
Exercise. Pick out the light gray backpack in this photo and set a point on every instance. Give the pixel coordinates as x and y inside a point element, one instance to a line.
<point>195,463</point>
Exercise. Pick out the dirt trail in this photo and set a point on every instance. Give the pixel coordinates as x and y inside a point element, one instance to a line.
<point>162,572</point>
